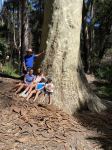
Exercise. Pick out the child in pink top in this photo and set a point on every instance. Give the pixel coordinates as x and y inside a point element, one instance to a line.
<point>28,90</point>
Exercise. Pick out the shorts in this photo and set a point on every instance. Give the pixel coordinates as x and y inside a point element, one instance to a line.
<point>41,90</point>
<point>48,93</point>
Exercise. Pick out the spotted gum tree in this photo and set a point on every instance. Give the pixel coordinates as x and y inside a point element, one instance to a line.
<point>61,39</point>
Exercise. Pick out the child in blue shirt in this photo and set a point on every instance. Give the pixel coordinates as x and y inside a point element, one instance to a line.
<point>28,79</point>
<point>38,89</point>
<point>38,78</point>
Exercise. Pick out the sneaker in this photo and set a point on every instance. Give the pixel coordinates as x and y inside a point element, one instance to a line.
<point>25,95</point>
<point>21,94</point>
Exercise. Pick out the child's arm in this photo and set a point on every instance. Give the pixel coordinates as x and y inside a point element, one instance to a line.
<point>34,79</point>
<point>25,79</point>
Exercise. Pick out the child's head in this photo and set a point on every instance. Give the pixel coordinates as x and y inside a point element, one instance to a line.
<point>43,80</point>
<point>39,70</point>
<point>30,71</point>
<point>49,80</point>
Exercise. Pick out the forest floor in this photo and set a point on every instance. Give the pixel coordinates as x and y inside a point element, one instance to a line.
<point>26,126</point>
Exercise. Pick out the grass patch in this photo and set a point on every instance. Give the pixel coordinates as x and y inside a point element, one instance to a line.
<point>104,72</point>
<point>105,91</point>
<point>9,70</point>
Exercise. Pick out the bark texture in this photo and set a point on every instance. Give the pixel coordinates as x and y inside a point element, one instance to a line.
<point>25,34</point>
<point>61,39</point>
<point>24,25</point>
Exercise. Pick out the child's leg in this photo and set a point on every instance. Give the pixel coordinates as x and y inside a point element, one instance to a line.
<point>27,88</point>
<point>44,96</point>
<point>24,93</point>
<point>36,96</point>
<point>16,86</point>
<point>30,95</point>
<point>20,88</point>
<point>49,96</point>
<point>31,87</point>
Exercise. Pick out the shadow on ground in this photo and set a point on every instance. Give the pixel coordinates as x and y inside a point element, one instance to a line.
<point>102,123</point>
<point>103,89</point>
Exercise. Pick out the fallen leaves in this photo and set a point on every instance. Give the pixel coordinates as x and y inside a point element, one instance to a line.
<point>26,125</point>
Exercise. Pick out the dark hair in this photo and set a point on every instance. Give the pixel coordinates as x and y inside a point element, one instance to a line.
<point>43,80</point>
<point>30,69</point>
<point>41,71</point>
<point>49,80</point>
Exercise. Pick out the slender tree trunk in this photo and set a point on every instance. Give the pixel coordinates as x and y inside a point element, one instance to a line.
<point>24,28</point>
<point>19,24</point>
<point>61,39</point>
<point>14,29</point>
<point>84,47</point>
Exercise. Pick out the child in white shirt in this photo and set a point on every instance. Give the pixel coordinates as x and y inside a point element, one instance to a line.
<point>49,89</point>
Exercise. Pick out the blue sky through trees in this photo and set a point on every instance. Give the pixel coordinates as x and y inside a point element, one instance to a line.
<point>1,3</point>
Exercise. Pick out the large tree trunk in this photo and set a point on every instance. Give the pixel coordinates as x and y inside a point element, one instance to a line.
<point>61,39</point>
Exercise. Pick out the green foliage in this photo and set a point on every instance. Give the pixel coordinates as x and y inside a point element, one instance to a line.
<point>105,91</point>
<point>9,70</point>
<point>110,51</point>
<point>3,48</point>
<point>104,72</point>
<point>104,10</point>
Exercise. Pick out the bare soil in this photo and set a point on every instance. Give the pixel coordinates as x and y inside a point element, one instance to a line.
<point>27,126</point>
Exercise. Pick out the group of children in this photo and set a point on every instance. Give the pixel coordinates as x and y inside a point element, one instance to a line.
<point>35,85</point>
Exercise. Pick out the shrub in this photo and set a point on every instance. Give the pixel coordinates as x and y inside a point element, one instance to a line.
<point>9,70</point>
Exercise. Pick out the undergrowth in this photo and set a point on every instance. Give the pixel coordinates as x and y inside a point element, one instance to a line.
<point>9,70</point>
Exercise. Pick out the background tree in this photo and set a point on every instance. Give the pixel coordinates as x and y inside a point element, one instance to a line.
<point>22,21</point>
<point>96,29</point>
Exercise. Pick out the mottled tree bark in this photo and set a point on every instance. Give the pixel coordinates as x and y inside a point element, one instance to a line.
<point>61,39</point>
<point>24,28</point>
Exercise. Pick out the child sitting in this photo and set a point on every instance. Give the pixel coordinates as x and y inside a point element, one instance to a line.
<point>28,79</point>
<point>38,89</point>
<point>49,88</point>
<point>28,90</point>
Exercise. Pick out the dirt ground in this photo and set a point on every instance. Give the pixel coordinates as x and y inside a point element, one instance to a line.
<point>26,126</point>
